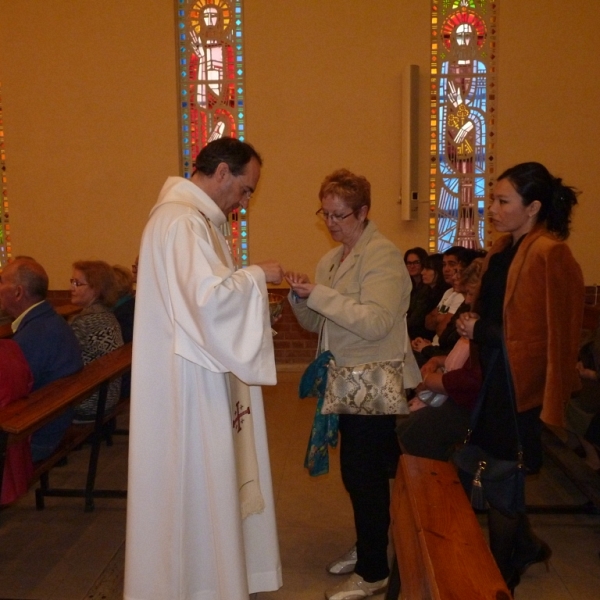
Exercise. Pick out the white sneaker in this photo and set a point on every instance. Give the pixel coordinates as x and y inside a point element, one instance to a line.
<point>344,564</point>
<point>355,588</point>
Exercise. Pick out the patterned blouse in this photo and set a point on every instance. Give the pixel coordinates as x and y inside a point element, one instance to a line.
<point>99,333</point>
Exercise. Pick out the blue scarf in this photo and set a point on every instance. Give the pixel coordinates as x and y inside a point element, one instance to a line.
<point>324,431</point>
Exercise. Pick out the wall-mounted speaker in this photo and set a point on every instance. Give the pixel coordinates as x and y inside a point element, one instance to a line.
<point>409,193</point>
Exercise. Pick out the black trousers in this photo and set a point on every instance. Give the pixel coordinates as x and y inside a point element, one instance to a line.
<point>369,457</point>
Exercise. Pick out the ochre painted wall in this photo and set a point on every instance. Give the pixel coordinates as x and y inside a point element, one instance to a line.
<point>91,132</point>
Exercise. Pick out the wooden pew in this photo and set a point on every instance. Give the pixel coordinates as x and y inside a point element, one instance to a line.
<point>440,548</point>
<point>21,418</point>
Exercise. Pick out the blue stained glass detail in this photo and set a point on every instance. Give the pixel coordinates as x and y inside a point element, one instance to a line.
<point>241,127</point>
<point>244,223</point>
<point>243,211</point>
<point>240,72</point>
<point>184,73</point>
<point>184,104</point>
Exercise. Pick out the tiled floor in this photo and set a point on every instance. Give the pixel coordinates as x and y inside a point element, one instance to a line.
<point>63,553</point>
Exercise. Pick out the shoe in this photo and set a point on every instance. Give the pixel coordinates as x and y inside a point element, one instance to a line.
<point>344,564</point>
<point>542,555</point>
<point>355,588</point>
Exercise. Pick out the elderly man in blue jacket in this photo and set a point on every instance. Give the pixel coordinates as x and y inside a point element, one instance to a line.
<point>47,341</point>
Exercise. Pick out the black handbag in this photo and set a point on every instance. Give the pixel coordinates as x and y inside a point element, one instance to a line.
<point>489,480</point>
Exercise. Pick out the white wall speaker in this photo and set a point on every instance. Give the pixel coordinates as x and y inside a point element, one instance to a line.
<point>409,193</point>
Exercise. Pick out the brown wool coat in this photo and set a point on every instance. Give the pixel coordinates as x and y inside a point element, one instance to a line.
<point>543,314</point>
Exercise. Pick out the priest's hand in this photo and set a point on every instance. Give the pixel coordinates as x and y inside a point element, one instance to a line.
<point>273,271</point>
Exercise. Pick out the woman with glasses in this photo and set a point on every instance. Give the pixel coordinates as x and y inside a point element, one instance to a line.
<point>94,289</point>
<point>414,259</point>
<point>427,297</point>
<point>358,304</point>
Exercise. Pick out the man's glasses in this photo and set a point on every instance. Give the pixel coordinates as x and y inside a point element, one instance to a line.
<point>335,218</point>
<point>412,263</point>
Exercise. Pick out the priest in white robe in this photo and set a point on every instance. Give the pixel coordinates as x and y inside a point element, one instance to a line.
<point>191,533</point>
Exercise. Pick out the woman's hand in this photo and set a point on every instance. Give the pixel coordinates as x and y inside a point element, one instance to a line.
<point>416,404</point>
<point>293,277</point>
<point>431,366</point>
<point>303,290</point>
<point>300,284</point>
<point>419,343</point>
<point>466,324</point>
<point>586,373</point>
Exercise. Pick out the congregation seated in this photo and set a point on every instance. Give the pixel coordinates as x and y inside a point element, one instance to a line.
<point>443,318</point>
<point>440,411</point>
<point>48,343</point>
<point>94,290</point>
<point>426,297</point>
<point>16,381</point>
<point>124,310</point>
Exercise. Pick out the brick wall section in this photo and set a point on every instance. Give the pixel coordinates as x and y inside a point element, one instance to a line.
<point>292,343</point>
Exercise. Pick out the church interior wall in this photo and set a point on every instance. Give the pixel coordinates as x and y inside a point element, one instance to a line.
<point>91,130</point>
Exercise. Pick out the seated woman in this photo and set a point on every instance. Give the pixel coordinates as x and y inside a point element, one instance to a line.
<point>426,298</point>
<point>124,310</point>
<point>94,289</point>
<point>440,413</point>
<point>16,381</point>
<point>414,259</point>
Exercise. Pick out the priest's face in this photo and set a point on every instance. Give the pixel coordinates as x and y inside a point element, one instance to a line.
<point>236,190</point>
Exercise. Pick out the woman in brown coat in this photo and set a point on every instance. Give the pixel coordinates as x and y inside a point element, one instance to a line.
<point>531,300</point>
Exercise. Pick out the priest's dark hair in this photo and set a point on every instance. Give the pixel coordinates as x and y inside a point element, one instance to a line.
<point>233,152</point>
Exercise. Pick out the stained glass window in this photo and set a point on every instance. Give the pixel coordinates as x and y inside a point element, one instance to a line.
<point>5,245</point>
<point>211,89</point>
<point>462,121</point>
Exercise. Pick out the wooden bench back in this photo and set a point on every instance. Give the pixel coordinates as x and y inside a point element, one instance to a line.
<point>24,416</point>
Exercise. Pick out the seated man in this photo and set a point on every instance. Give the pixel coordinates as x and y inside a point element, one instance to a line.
<point>47,341</point>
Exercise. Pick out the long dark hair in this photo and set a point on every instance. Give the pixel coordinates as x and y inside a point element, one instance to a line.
<point>533,181</point>
<point>434,262</point>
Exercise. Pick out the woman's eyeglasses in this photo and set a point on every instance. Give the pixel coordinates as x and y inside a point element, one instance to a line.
<point>77,283</point>
<point>335,218</point>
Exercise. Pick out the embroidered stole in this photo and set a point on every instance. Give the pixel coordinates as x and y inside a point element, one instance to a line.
<point>251,498</point>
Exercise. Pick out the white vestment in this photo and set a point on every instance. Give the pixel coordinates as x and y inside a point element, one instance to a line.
<point>196,319</point>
